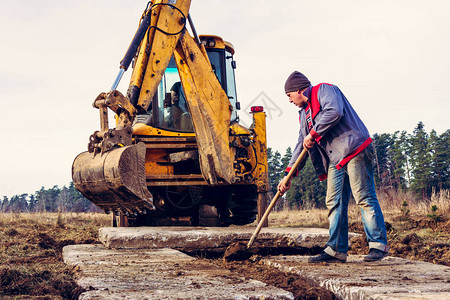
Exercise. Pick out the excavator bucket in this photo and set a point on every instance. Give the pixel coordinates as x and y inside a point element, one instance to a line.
<point>114,180</point>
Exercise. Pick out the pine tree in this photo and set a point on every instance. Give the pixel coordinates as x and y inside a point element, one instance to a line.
<point>306,190</point>
<point>5,204</point>
<point>286,158</point>
<point>383,172</point>
<point>313,190</point>
<point>275,170</point>
<point>287,200</point>
<point>440,159</point>
<point>18,203</point>
<point>78,202</point>
<point>421,162</point>
<point>398,159</point>
<point>32,203</point>
<point>47,200</point>
<point>64,201</point>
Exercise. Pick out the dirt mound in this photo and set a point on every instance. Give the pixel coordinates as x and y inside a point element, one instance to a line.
<point>412,246</point>
<point>238,252</point>
<point>415,239</point>
<point>300,287</point>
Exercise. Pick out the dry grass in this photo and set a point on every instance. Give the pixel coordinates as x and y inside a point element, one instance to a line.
<point>31,245</point>
<point>299,218</point>
<point>392,204</point>
<point>48,219</point>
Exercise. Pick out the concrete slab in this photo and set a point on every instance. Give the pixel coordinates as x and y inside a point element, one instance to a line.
<point>199,238</point>
<point>158,274</point>
<point>390,278</point>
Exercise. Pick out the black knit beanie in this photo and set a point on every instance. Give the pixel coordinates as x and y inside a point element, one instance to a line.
<point>295,82</point>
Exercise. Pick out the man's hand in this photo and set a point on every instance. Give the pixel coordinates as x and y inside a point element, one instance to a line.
<point>308,142</point>
<point>284,185</point>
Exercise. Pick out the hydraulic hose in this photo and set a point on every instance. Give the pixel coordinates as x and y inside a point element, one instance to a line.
<point>126,61</point>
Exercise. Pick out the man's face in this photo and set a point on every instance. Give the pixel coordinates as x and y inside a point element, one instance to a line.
<point>175,98</point>
<point>297,98</point>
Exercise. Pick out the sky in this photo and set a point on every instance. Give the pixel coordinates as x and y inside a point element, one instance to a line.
<point>390,58</point>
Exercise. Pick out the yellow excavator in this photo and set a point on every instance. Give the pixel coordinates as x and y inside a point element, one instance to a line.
<point>177,154</point>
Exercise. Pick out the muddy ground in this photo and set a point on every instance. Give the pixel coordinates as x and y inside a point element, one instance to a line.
<point>300,287</point>
<point>31,266</point>
<point>415,238</point>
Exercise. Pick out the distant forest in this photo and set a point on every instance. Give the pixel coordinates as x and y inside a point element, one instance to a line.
<point>418,162</point>
<point>55,199</point>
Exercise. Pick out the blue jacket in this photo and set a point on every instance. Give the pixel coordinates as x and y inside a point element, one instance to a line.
<point>338,131</point>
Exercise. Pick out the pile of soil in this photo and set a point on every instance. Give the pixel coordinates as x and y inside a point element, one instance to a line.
<point>423,239</point>
<point>300,287</point>
<point>238,252</point>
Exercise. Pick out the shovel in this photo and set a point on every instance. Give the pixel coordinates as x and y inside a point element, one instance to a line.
<point>239,251</point>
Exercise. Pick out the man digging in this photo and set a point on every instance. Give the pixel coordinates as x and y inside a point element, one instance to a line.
<point>340,149</point>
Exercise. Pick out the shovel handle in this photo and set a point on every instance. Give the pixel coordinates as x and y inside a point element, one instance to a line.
<point>299,160</point>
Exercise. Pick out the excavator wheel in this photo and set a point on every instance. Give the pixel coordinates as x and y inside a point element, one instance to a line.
<point>235,205</point>
<point>244,205</point>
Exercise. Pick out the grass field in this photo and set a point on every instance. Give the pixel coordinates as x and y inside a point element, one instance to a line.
<point>31,253</point>
<point>31,245</point>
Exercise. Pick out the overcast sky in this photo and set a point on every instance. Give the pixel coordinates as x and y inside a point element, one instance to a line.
<point>389,57</point>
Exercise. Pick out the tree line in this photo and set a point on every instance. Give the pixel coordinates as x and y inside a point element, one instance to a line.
<point>418,162</point>
<point>55,199</point>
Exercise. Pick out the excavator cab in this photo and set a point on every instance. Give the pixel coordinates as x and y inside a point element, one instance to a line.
<point>169,108</point>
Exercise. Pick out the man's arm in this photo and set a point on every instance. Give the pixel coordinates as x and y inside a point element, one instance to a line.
<point>332,103</point>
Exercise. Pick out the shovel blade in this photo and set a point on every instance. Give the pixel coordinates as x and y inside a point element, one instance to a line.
<point>238,252</point>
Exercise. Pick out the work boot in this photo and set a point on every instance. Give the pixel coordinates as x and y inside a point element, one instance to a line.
<point>375,255</point>
<point>324,257</point>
